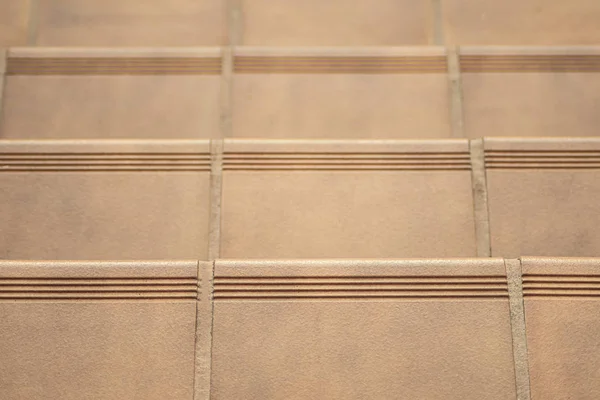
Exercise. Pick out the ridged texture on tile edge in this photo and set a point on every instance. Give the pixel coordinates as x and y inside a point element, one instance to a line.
<point>97,281</point>
<point>561,278</point>
<point>542,153</point>
<point>338,280</point>
<point>346,155</point>
<point>102,155</point>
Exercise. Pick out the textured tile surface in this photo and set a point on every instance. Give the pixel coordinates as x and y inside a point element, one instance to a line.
<point>131,23</point>
<point>97,200</point>
<point>334,23</point>
<point>362,330</point>
<point>346,199</point>
<point>562,311</point>
<point>341,93</point>
<point>74,330</point>
<point>543,196</point>
<point>139,93</point>
<point>522,22</point>
<point>14,21</point>
<point>531,91</point>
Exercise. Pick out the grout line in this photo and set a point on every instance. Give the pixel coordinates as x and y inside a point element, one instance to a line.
<point>438,25</point>
<point>211,322</point>
<point>33,23</point>
<point>480,198</point>
<point>227,67</point>
<point>517,323</point>
<point>226,95</point>
<point>235,26</point>
<point>197,374</point>
<point>203,337</point>
<point>456,95</point>
<point>3,58</point>
<point>216,184</point>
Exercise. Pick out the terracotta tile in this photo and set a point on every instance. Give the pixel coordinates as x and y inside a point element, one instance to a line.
<point>354,330</point>
<point>131,23</point>
<point>98,200</point>
<point>543,196</point>
<point>79,342</point>
<point>563,317</point>
<point>522,22</point>
<point>14,21</point>
<point>334,23</point>
<point>341,93</point>
<point>311,199</point>
<point>531,91</point>
<point>112,94</point>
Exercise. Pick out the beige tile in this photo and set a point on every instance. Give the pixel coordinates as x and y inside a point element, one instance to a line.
<point>111,94</point>
<point>346,199</point>
<point>531,92</point>
<point>563,317</point>
<point>335,23</point>
<point>543,196</point>
<point>90,200</point>
<point>341,93</point>
<point>14,21</point>
<point>521,22</point>
<point>62,345</point>
<point>131,23</point>
<point>371,340</point>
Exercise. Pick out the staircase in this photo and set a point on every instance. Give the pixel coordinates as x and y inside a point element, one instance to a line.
<point>317,199</point>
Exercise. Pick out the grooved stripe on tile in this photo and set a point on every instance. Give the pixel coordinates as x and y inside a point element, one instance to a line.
<point>113,66</point>
<point>346,161</point>
<point>530,63</point>
<point>575,286</point>
<point>86,162</point>
<point>359,287</point>
<point>340,64</point>
<point>542,159</point>
<point>155,288</point>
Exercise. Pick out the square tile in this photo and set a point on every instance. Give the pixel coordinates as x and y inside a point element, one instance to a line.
<point>104,200</point>
<point>74,330</point>
<point>311,199</point>
<point>341,93</point>
<point>131,23</point>
<point>531,91</point>
<point>543,196</point>
<point>348,329</point>
<point>334,23</point>
<point>64,94</point>
<point>14,22</point>
<point>522,22</point>
<point>562,311</point>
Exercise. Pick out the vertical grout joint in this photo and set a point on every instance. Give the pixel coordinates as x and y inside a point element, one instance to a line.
<point>216,183</point>
<point>438,24</point>
<point>517,321</point>
<point>3,61</point>
<point>203,337</point>
<point>456,92</point>
<point>32,24</point>
<point>235,23</point>
<point>480,198</point>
